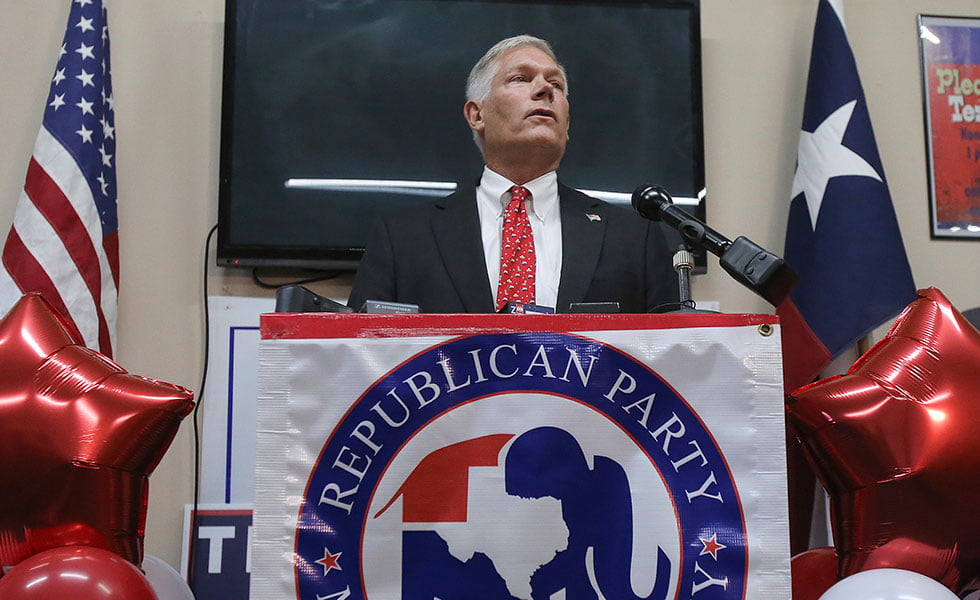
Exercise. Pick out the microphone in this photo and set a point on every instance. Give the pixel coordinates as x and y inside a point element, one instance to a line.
<point>748,263</point>
<point>654,203</point>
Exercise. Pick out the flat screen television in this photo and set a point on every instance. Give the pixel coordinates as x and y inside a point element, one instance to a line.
<point>336,110</point>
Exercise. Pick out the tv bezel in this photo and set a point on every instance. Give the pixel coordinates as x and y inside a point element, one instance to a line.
<point>346,258</point>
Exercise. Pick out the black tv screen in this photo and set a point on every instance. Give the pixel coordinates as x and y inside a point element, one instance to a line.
<point>336,110</point>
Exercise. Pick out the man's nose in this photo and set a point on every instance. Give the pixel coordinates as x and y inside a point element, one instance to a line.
<point>543,88</point>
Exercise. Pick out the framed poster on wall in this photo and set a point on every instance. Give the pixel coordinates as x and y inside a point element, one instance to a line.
<point>950,58</point>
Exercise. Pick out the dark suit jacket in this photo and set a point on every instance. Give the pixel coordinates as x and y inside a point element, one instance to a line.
<point>432,256</point>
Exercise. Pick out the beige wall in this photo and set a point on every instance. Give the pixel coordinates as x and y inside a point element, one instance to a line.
<point>167,66</point>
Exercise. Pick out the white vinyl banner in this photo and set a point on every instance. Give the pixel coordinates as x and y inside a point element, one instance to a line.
<point>517,456</point>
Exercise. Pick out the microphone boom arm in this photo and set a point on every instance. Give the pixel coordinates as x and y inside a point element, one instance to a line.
<point>748,263</point>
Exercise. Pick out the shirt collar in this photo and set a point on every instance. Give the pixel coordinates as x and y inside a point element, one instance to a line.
<point>544,192</point>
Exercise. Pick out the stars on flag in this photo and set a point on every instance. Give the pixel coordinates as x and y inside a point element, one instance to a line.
<point>85,51</point>
<point>823,156</point>
<point>78,83</point>
<point>86,135</point>
<point>85,25</point>
<point>86,78</point>
<point>106,157</point>
<point>108,131</point>
<point>86,106</point>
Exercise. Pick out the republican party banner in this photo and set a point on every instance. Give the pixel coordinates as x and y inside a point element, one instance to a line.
<point>951,77</point>
<point>520,456</point>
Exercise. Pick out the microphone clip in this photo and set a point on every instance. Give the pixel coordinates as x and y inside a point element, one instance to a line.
<point>759,270</point>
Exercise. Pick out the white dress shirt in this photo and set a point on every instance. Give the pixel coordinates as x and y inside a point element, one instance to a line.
<point>543,211</point>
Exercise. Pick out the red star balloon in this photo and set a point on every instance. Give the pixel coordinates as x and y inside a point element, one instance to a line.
<point>896,444</point>
<point>79,437</point>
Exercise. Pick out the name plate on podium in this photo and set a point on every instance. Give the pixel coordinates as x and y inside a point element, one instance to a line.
<point>520,456</point>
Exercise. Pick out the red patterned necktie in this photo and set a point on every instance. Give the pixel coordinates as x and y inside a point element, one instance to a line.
<point>516,252</point>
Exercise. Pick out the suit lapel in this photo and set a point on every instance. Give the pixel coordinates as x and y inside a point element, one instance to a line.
<point>583,228</point>
<point>456,228</point>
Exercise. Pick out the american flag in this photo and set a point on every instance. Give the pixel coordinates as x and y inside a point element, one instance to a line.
<point>842,235</point>
<point>64,239</point>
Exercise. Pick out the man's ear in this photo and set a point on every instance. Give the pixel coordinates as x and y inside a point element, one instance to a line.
<point>473,113</point>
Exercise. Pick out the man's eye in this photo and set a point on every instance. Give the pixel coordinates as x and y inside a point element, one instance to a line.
<point>518,78</point>
<point>558,85</point>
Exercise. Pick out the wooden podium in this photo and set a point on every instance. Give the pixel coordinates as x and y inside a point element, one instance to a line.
<point>520,456</point>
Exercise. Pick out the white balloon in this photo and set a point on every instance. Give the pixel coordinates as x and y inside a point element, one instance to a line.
<point>888,584</point>
<point>165,580</point>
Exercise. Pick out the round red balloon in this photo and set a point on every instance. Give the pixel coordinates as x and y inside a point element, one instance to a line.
<point>895,443</point>
<point>79,437</point>
<point>814,572</point>
<point>75,572</point>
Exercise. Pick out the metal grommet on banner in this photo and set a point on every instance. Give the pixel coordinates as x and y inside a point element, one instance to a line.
<point>766,329</point>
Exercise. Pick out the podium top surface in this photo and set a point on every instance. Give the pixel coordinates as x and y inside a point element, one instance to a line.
<point>285,326</point>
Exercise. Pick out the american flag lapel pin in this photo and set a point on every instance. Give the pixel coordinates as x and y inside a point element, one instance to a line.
<point>593,217</point>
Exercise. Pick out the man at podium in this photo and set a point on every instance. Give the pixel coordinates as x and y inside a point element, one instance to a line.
<point>519,236</point>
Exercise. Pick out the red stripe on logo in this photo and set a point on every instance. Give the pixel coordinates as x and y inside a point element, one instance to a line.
<point>437,490</point>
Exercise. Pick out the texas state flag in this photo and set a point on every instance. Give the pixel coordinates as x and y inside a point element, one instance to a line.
<point>842,237</point>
